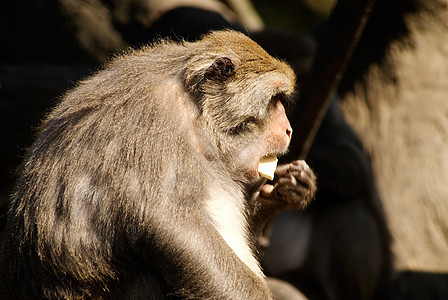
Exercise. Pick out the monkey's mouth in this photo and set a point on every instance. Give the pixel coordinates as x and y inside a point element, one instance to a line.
<point>267,166</point>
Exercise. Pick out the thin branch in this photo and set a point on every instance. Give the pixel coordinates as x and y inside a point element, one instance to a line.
<point>343,32</point>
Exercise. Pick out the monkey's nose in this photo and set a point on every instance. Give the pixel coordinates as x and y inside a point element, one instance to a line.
<point>289,132</point>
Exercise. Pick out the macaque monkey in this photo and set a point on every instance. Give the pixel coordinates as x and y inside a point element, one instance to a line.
<point>143,183</point>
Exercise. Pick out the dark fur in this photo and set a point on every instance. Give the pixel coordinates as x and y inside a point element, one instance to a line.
<point>116,194</point>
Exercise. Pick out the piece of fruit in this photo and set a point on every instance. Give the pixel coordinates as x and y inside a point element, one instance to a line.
<point>267,166</point>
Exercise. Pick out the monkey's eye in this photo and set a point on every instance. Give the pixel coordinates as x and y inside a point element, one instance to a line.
<point>244,126</point>
<point>284,99</point>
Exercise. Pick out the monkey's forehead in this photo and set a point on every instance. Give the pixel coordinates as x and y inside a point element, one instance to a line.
<point>261,86</point>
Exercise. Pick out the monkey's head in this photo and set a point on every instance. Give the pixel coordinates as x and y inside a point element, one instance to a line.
<point>241,92</point>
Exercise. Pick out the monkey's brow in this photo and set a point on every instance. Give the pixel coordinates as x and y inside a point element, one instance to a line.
<point>286,99</point>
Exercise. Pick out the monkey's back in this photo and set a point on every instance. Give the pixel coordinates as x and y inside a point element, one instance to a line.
<point>104,158</point>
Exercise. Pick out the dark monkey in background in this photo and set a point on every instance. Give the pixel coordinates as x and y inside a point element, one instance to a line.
<point>143,182</point>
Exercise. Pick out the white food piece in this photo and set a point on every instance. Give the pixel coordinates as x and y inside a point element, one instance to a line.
<point>267,166</point>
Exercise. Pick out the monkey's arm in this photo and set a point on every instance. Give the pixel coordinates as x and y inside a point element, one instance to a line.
<point>197,263</point>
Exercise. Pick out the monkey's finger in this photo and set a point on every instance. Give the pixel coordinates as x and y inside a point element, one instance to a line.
<point>296,195</point>
<point>299,164</point>
<point>287,188</point>
<point>288,184</point>
<point>298,201</point>
<point>305,181</point>
<point>295,166</point>
<point>282,170</point>
<point>266,190</point>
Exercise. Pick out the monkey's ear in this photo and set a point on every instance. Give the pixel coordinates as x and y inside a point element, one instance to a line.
<point>221,69</point>
<point>215,69</point>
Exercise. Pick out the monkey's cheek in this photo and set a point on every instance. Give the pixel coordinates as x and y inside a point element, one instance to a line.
<point>286,143</point>
<point>253,173</point>
<point>282,146</point>
<point>277,144</point>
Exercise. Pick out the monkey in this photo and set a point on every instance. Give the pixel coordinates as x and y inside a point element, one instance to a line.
<point>142,182</point>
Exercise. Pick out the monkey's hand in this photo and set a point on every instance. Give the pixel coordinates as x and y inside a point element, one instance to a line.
<point>293,188</point>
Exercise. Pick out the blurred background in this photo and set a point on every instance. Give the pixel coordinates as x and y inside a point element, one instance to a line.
<point>378,228</point>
